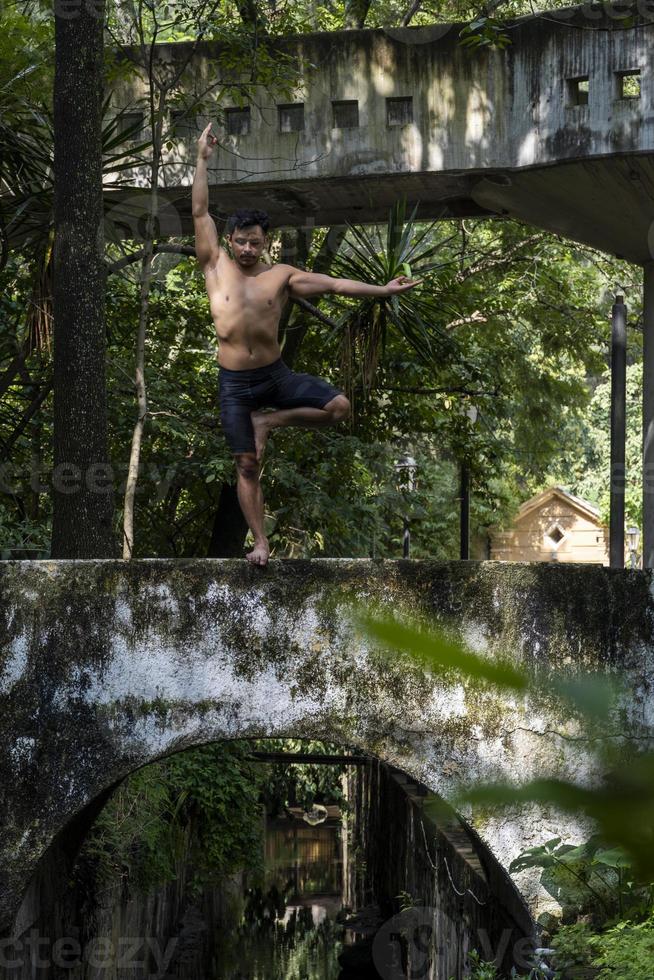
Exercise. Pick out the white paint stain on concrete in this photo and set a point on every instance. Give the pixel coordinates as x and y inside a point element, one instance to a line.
<point>15,666</point>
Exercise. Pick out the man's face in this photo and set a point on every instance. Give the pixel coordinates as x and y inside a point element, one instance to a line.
<point>247,245</point>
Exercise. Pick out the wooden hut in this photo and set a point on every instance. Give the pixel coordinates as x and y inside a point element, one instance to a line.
<point>553,526</point>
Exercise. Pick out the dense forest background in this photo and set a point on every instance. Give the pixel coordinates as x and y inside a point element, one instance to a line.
<point>510,320</point>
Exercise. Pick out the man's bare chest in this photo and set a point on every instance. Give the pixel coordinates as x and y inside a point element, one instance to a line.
<point>227,289</point>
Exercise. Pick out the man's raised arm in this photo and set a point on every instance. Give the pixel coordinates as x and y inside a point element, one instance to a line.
<point>301,284</point>
<point>206,236</point>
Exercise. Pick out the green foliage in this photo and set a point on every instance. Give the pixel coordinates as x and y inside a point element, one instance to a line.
<point>478,969</point>
<point>364,326</point>
<point>592,471</point>
<point>304,784</point>
<point>622,806</point>
<point>587,878</point>
<point>512,320</point>
<point>485,32</point>
<point>624,951</point>
<point>452,661</point>
<point>199,807</point>
<point>443,655</point>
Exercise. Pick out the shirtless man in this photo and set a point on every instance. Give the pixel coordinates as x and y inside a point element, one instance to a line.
<point>246,299</point>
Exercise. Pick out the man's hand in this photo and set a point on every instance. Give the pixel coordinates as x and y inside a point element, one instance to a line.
<point>401,285</point>
<point>206,142</point>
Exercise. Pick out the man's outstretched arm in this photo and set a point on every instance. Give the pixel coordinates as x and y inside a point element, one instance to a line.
<point>206,236</point>
<point>303,284</point>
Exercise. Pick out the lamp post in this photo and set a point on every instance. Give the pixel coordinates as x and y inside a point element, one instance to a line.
<point>618,430</point>
<point>633,541</point>
<point>406,468</point>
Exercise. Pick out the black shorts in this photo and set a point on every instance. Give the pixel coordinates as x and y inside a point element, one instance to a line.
<point>274,386</point>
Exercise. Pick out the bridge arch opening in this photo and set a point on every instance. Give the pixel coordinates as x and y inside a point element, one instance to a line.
<point>310,849</point>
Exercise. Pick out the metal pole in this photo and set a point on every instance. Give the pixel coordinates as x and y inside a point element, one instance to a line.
<point>406,539</point>
<point>618,431</point>
<point>465,513</point>
<point>648,417</point>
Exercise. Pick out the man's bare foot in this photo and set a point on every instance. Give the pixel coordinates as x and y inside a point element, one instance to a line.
<point>260,553</point>
<point>261,426</point>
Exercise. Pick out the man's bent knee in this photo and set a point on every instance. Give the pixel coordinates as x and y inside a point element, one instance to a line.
<point>338,408</point>
<point>247,466</point>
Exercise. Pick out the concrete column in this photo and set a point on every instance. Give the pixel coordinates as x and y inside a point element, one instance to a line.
<point>648,417</point>
<point>618,431</point>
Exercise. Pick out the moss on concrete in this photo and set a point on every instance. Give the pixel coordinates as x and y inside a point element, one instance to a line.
<point>106,665</point>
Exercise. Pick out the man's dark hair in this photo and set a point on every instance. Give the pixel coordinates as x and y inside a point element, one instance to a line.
<point>245,218</point>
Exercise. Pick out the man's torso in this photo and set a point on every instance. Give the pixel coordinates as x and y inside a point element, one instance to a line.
<point>246,310</point>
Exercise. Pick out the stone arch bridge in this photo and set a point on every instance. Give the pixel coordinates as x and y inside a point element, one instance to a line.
<point>107,666</point>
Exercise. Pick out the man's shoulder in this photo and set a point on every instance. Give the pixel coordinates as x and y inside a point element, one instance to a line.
<point>282,268</point>
<point>288,270</point>
<point>279,271</point>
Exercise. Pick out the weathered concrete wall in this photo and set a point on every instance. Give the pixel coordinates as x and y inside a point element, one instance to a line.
<point>431,881</point>
<point>487,128</point>
<point>106,666</point>
<point>82,927</point>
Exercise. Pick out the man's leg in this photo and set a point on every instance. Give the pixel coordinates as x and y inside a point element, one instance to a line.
<point>310,418</point>
<point>250,497</point>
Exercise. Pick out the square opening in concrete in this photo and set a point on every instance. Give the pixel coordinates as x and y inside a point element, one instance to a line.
<point>129,119</point>
<point>628,84</point>
<point>183,124</point>
<point>237,121</point>
<point>346,114</point>
<point>578,90</point>
<point>399,112</point>
<point>291,117</point>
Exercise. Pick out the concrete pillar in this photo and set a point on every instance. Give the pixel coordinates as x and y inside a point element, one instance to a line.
<point>648,417</point>
<point>618,431</point>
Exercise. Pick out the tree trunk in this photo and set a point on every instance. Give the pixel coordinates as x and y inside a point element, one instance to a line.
<point>82,491</point>
<point>144,308</point>
<point>356,12</point>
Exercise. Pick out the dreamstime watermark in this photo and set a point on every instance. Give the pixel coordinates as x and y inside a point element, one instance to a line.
<point>102,953</point>
<point>97,478</point>
<point>408,944</point>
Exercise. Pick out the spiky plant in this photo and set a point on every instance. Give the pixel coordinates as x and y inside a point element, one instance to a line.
<point>417,315</point>
<point>26,189</point>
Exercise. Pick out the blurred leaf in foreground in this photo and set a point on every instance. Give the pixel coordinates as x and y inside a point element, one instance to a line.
<point>621,805</point>
<point>440,654</point>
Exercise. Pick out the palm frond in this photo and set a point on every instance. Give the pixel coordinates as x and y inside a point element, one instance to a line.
<point>419,317</point>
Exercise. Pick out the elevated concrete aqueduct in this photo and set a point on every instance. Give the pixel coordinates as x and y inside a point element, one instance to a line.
<point>556,130</point>
<point>107,666</point>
